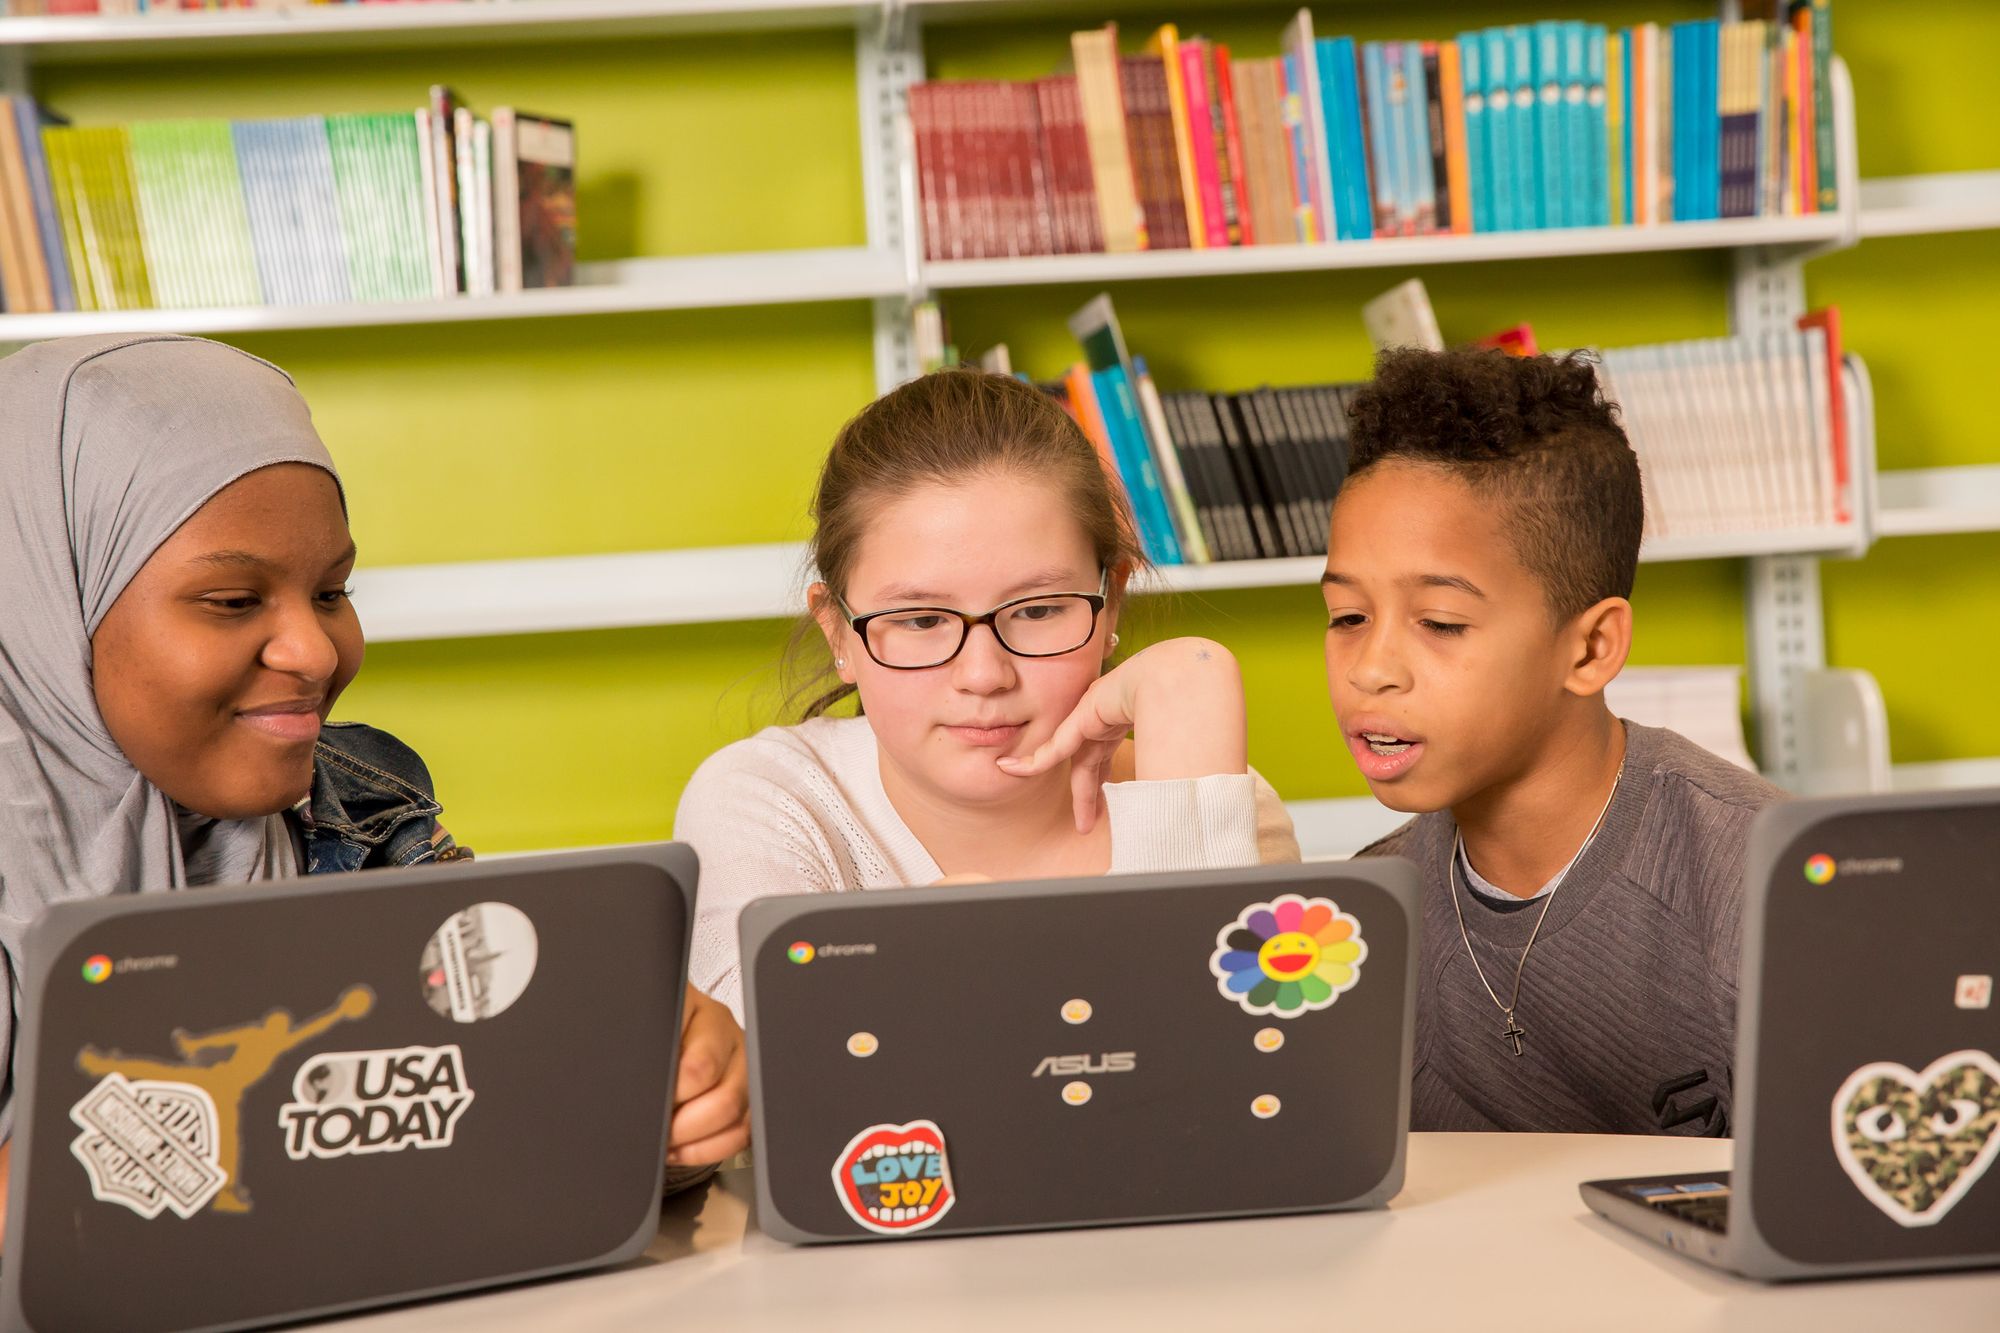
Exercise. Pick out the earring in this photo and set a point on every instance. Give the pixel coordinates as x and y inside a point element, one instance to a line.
<point>1114,643</point>
<point>840,664</point>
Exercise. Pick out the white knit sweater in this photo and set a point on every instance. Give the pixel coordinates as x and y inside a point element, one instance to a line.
<point>801,810</point>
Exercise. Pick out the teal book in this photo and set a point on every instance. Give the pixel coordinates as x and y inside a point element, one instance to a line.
<point>1503,183</point>
<point>1423,203</point>
<point>1527,174</point>
<point>1471,69</point>
<point>1340,91</point>
<point>1576,176</point>
<point>1552,151</point>
<point>1396,97</point>
<point>1596,120</point>
<point>1382,162</point>
<point>1120,404</point>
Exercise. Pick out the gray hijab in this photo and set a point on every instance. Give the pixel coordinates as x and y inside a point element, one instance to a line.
<point>108,445</point>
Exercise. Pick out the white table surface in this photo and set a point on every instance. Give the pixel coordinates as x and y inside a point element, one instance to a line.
<point>1487,1234</point>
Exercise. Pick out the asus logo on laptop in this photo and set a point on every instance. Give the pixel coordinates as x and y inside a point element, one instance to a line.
<point>1069,1066</point>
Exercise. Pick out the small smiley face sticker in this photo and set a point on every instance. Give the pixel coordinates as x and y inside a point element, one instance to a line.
<point>1264,1107</point>
<point>863,1044</point>
<point>1076,1093</point>
<point>1076,1011</point>
<point>1268,1040</point>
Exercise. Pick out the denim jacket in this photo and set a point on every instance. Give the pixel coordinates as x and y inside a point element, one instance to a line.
<point>371,805</point>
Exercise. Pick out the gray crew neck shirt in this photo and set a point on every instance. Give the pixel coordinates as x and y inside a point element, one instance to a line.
<point>1632,981</point>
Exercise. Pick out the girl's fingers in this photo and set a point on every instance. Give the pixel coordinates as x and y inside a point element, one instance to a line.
<point>1066,741</point>
<point>1086,783</point>
<point>721,1112</point>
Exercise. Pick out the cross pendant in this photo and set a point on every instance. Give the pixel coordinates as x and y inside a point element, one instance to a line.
<point>1514,1033</point>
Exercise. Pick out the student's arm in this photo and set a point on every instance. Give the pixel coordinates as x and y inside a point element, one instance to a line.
<point>755,839</point>
<point>1181,702</point>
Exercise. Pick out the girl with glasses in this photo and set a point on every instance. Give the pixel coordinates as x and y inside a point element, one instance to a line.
<point>973,557</point>
<point>175,630</point>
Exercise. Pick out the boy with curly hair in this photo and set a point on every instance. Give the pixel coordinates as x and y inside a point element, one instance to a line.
<point>1582,873</point>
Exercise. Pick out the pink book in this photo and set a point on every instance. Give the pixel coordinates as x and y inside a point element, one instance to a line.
<point>1208,178</point>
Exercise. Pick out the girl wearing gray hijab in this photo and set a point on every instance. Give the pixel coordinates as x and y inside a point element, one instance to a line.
<point>175,627</point>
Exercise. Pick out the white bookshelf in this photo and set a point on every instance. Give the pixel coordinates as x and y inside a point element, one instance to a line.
<point>1389,252</point>
<point>174,35</point>
<point>1947,201</point>
<point>767,582</point>
<point>1921,502</point>
<point>704,282</point>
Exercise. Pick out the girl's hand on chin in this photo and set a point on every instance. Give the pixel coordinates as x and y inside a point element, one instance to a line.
<point>1182,703</point>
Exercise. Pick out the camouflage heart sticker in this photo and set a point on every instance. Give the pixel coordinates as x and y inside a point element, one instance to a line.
<point>1914,1143</point>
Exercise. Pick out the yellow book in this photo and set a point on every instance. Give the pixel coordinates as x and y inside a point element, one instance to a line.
<point>1614,112</point>
<point>1099,90</point>
<point>1166,44</point>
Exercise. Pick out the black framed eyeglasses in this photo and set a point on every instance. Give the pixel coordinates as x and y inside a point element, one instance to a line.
<point>913,638</point>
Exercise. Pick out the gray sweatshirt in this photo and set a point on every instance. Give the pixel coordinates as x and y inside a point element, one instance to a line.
<point>1628,1001</point>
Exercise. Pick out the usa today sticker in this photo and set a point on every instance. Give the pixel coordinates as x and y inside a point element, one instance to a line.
<point>478,962</point>
<point>346,1103</point>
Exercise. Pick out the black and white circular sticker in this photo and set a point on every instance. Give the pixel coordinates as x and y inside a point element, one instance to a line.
<point>479,961</point>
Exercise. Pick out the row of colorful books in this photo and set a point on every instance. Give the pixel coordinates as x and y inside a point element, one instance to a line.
<point>1734,435</point>
<point>1740,434</point>
<point>184,214</point>
<point>1554,124</point>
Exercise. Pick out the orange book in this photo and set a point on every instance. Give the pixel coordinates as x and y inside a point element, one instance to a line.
<point>1641,184</point>
<point>1083,403</point>
<point>1458,174</point>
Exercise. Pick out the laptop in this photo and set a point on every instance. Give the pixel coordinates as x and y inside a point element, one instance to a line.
<point>1867,1073</point>
<point>1085,1052</point>
<point>236,1106</point>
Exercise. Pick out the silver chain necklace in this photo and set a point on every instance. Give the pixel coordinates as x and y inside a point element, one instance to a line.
<point>1514,1031</point>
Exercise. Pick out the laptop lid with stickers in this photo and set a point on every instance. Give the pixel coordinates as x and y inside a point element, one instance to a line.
<point>241,1105</point>
<point>1080,1052</point>
<point>1868,1116</point>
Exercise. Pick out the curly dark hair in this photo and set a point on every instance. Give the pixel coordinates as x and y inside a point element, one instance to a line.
<point>1534,433</point>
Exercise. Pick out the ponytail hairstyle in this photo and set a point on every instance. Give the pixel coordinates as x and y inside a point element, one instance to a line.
<point>945,428</point>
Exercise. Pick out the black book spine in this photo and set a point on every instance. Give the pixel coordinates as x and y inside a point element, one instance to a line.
<point>1434,119</point>
<point>1334,397</point>
<point>1194,471</point>
<point>1309,435</point>
<point>1249,476</point>
<point>1233,514</point>
<point>1285,466</point>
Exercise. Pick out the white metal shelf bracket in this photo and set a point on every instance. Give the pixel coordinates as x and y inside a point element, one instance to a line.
<point>1785,630</point>
<point>888,58</point>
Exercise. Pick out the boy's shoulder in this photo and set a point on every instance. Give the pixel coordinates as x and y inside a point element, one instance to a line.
<point>1695,829</point>
<point>1677,765</point>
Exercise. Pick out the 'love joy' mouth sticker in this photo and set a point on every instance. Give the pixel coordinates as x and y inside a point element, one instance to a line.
<point>1914,1143</point>
<point>895,1179</point>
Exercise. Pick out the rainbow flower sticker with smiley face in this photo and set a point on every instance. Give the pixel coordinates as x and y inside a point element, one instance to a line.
<point>1287,956</point>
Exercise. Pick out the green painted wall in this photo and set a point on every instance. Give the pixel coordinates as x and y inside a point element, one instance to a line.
<point>694,429</point>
